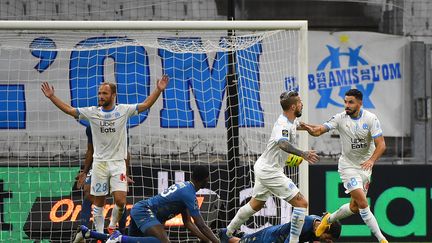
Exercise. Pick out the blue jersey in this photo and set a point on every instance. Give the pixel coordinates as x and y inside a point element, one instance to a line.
<point>89,135</point>
<point>280,233</point>
<point>173,201</point>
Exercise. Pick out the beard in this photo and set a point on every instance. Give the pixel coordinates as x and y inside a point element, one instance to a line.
<point>298,113</point>
<point>104,103</point>
<point>350,112</point>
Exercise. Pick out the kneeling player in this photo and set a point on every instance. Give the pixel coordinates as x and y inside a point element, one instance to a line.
<point>148,216</point>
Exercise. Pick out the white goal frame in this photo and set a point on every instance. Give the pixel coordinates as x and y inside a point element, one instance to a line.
<point>300,25</point>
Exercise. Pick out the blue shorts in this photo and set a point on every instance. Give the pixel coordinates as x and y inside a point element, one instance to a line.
<point>143,218</point>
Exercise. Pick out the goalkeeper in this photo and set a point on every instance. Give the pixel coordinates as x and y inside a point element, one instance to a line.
<point>280,233</point>
<point>269,169</point>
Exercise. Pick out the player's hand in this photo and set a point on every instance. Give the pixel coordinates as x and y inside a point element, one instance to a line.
<point>367,165</point>
<point>80,178</point>
<point>163,82</point>
<point>47,89</point>
<point>129,180</point>
<point>310,156</point>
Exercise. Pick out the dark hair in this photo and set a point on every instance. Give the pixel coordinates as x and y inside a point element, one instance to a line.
<point>112,86</point>
<point>335,229</point>
<point>356,93</point>
<point>200,173</point>
<point>287,99</point>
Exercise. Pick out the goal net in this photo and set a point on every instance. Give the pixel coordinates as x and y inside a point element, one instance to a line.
<point>218,110</point>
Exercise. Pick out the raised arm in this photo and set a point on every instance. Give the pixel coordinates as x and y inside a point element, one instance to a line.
<point>48,91</point>
<point>151,99</point>
<point>379,150</point>
<point>314,130</point>
<point>286,146</point>
<point>199,222</point>
<point>192,227</point>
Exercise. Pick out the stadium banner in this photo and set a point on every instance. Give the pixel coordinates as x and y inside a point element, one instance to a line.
<point>371,62</point>
<point>194,101</point>
<point>400,197</point>
<point>50,209</point>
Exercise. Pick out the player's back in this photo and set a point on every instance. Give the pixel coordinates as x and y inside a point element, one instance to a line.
<point>280,233</point>
<point>174,200</point>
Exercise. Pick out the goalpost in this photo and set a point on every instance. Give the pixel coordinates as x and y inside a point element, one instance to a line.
<point>191,123</point>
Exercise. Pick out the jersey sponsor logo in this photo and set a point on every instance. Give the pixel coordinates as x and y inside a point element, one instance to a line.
<point>357,143</point>
<point>285,133</point>
<point>107,126</point>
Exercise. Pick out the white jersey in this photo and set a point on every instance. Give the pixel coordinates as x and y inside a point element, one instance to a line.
<point>108,130</point>
<point>273,157</point>
<point>356,137</point>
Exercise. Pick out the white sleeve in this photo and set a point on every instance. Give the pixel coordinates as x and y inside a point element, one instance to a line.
<point>131,110</point>
<point>281,132</point>
<point>376,130</point>
<point>84,113</point>
<point>333,123</point>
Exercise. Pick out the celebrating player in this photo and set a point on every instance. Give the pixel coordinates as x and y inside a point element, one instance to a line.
<point>280,233</point>
<point>362,145</point>
<point>108,126</point>
<point>269,169</point>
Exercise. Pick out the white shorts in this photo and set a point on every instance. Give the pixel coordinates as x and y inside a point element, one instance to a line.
<point>276,183</point>
<point>355,179</point>
<point>108,177</point>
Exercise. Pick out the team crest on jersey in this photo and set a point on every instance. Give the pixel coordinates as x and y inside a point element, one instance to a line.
<point>285,133</point>
<point>365,126</point>
<point>117,114</point>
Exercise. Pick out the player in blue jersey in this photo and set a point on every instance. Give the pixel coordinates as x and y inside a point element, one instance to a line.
<point>281,233</point>
<point>148,216</point>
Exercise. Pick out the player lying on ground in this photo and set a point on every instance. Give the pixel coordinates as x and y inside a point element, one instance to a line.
<point>281,233</point>
<point>148,216</point>
<point>277,233</point>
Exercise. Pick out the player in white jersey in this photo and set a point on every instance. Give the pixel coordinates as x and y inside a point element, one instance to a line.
<point>269,169</point>
<point>362,145</point>
<point>108,126</point>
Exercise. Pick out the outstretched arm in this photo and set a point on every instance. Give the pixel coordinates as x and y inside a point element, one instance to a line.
<point>48,91</point>
<point>151,99</point>
<point>286,146</point>
<point>314,130</point>
<point>199,222</point>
